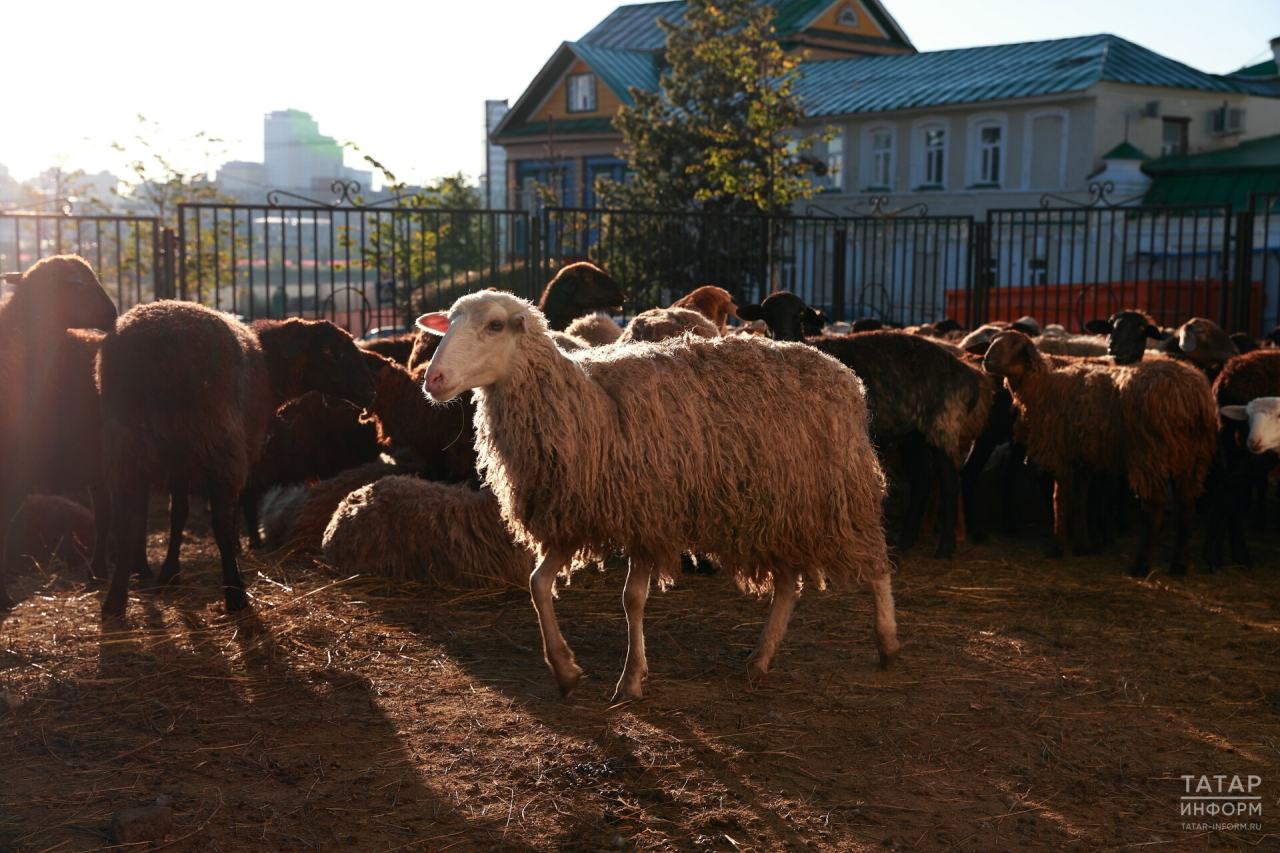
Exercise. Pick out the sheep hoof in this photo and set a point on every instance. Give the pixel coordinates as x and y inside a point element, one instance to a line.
<point>622,694</point>
<point>1137,570</point>
<point>568,680</point>
<point>888,658</point>
<point>1054,552</point>
<point>756,670</point>
<point>113,609</point>
<point>945,552</point>
<point>1177,570</point>
<point>6,603</point>
<point>236,600</point>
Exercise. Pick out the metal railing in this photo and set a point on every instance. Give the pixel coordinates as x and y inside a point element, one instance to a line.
<point>359,266</point>
<point>892,267</point>
<point>127,252</point>
<point>1258,255</point>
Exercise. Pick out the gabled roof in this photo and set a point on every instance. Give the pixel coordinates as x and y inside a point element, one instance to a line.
<point>636,27</point>
<point>970,75</point>
<point>617,69</point>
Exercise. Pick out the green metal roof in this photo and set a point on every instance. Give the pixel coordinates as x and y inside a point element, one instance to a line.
<point>636,27</point>
<point>877,83</point>
<point>1217,177</point>
<point>1125,151</point>
<point>1262,69</point>
<point>621,69</point>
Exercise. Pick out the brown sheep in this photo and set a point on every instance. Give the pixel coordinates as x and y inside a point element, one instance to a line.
<point>596,329</point>
<point>309,438</point>
<point>659,324</point>
<point>411,529</point>
<point>714,303</point>
<point>441,437</point>
<point>577,289</point>
<point>188,392</point>
<point>49,527</point>
<point>424,346</point>
<point>398,348</point>
<point>647,448</point>
<point>1148,423</point>
<point>55,295</point>
<point>295,517</point>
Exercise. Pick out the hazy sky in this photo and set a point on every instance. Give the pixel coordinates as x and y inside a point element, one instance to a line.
<point>407,81</point>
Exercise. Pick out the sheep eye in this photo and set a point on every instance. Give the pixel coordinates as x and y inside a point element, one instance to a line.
<point>495,325</point>
<point>327,351</point>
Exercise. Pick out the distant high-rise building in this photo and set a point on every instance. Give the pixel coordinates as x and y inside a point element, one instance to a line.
<point>295,153</point>
<point>242,176</point>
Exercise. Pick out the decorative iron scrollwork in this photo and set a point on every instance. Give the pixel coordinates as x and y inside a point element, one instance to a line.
<point>345,190</point>
<point>1099,196</point>
<point>878,208</point>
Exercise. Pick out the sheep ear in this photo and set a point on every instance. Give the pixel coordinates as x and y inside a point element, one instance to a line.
<point>1154,333</point>
<point>1098,327</point>
<point>12,277</point>
<point>750,313</point>
<point>1235,413</point>
<point>519,321</point>
<point>1186,339</point>
<point>980,348</point>
<point>435,323</point>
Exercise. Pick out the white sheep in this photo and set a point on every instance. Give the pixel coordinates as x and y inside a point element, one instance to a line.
<point>646,448</point>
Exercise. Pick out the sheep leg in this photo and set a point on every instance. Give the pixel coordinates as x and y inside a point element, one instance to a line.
<point>249,500</point>
<point>785,593</point>
<point>179,512</point>
<point>912,452</point>
<point>101,532</point>
<point>970,475</point>
<point>634,596</point>
<point>1152,516</point>
<point>558,654</point>
<point>7,511</point>
<point>129,518</point>
<point>949,481</point>
<point>1013,465</point>
<point>1082,532</point>
<point>885,620</point>
<point>1185,507</point>
<point>223,503</point>
<point>1062,486</point>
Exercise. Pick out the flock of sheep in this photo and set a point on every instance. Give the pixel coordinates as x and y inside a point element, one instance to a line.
<point>550,437</point>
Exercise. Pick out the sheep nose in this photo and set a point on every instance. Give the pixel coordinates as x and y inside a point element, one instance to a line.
<point>1255,446</point>
<point>435,380</point>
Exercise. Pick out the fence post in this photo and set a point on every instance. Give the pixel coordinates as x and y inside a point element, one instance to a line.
<point>1242,276</point>
<point>840,245</point>
<point>182,252</point>
<point>165,285</point>
<point>979,282</point>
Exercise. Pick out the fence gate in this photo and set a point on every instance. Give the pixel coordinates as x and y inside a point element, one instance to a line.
<point>360,266</point>
<point>1073,263</point>
<point>132,255</point>
<point>1258,257</point>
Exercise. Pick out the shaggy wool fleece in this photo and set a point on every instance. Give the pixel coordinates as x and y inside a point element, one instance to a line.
<point>647,449</point>
<point>596,329</point>
<point>411,529</point>
<point>296,517</point>
<point>658,324</point>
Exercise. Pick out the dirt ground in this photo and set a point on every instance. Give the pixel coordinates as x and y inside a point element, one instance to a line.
<point>1037,706</point>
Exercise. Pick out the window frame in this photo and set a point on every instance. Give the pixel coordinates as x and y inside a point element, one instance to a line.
<point>1064,145</point>
<point>568,92</point>
<point>973,167</point>
<point>1184,126</point>
<point>868,159</point>
<point>921,154</point>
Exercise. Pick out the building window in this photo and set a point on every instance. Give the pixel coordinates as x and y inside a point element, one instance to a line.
<point>830,155</point>
<point>882,159</point>
<point>581,90</point>
<point>991,148</point>
<point>935,156</point>
<point>848,17</point>
<point>1173,139</point>
<point>1044,149</point>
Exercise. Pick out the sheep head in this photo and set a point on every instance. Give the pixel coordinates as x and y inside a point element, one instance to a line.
<point>1263,416</point>
<point>786,315</point>
<point>64,293</point>
<point>1205,343</point>
<point>1011,355</point>
<point>579,289</point>
<point>480,335</point>
<point>1127,332</point>
<point>320,356</point>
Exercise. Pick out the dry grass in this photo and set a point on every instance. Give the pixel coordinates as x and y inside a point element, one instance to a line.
<point>1038,707</point>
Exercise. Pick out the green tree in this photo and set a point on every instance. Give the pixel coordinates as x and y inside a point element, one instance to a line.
<point>718,134</point>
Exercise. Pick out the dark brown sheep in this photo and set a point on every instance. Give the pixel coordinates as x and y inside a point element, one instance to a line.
<point>578,289</point>
<point>1147,423</point>
<point>49,527</point>
<point>310,438</point>
<point>55,295</point>
<point>188,392</point>
<point>1243,379</point>
<point>922,399</point>
<point>296,517</point>
<point>423,348</point>
<point>398,348</point>
<point>442,438</point>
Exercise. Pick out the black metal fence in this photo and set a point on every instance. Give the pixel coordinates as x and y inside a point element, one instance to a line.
<point>127,252</point>
<point>898,268</point>
<point>373,266</point>
<point>362,267</point>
